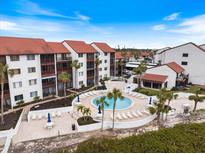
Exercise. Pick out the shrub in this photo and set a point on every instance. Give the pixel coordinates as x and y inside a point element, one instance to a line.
<point>37,98</point>
<point>148,92</point>
<point>183,138</point>
<point>89,120</point>
<point>20,103</point>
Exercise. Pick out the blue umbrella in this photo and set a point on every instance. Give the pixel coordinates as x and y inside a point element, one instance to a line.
<point>49,117</point>
<point>78,99</point>
<point>150,100</point>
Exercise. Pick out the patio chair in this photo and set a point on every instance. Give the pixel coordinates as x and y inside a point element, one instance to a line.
<point>40,116</point>
<point>145,112</point>
<point>33,117</point>
<point>53,114</point>
<point>58,113</point>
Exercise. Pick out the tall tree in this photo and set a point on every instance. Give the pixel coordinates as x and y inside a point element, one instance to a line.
<point>97,63</point>
<point>4,72</point>
<point>140,70</point>
<point>65,78</point>
<point>114,94</point>
<point>76,65</point>
<point>170,96</point>
<point>102,104</point>
<point>196,98</point>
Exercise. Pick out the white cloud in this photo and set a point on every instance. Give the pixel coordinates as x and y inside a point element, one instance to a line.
<point>30,8</point>
<point>191,26</point>
<point>81,16</point>
<point>8,26</point>
<point>172,16</point>
<point>159,27</point>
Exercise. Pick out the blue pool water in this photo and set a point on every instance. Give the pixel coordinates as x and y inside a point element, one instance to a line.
<point>120,104</point>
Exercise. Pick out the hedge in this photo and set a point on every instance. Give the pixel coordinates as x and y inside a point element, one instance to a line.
<point>148,92</point>
<point>183,138</point>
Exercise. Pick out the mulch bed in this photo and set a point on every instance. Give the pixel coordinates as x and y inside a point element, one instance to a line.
<point>11,120</point>
<point>64,102</point>
<point>82,89</point>
<point>90,120</point>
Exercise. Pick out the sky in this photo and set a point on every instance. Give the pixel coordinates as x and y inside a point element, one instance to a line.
<point>120,23</point>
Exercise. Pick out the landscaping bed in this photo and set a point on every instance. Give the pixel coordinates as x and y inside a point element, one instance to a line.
<point>183,138</point>
<point>64,102</point>
<point>11,120</point>
<point>82,122</point>
<point>146,91</point>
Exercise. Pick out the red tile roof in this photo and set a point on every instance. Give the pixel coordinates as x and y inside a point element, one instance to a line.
<point>104,47</point>
<point>119,56</point>
<point>174,66</point>
<point>154,77</point>
<point>57,47</point>
<point>21,46</point>
<point>80,46</point>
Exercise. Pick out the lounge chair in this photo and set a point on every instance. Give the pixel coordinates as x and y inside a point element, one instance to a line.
<point>139,113</point>
<point>135,114</point>
<point>58,113</point>
<point>33,117</point>
<point>129,115</point>
<point>146,112</point>
<point>119,116</point>
<point>124,116</point>
<point>53,114</point>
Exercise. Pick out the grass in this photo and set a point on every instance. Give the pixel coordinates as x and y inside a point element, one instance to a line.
<point>183,138</point>
<point>89,120</point>
<point>146,91</point>
<point>188,90</point>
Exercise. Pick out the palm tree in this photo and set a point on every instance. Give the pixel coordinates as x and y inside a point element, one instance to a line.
<point>4,72</point>
<point>65,78</point>
<point>80,108</point>
<point>102,104</point>
<point>97,63</point>
<point>86,113</point>
<point>115,94</point>
<point>140,70</point>
<point>76,65</point>
<point>196,98</point>
<point>159,106</point>
<point>170,96</point>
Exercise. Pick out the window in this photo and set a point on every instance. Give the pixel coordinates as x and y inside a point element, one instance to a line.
<point>18,97</point>
<point>105,61</point>
<point>32,82</point>
<point>15,71</point>
<point>31,69</point>
<point>34,94</point>
<point>81,64</point>
<point>17,84</point>
<point>80,73</point>
<point>30,57</point>
<point>80,55</point>
<point>185,55</point>
<point>80,82</point>
<point>184,63</point>
<point>100,69</point>
<point>14,58</point>
<point>105,54</point>
<point>105,68</point>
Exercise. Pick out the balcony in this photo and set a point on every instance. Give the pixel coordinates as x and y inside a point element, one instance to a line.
<point>48,83</point>
<point>47,73</point>
<point>62,59</point>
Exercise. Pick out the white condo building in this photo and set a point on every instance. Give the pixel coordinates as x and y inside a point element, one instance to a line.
<point>189,56</point>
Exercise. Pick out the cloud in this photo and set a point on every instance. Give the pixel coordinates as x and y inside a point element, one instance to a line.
<point>30,8</point>
<point>172,16</point>
<point>159,27</point>
<point>8,26</point>
<point>191,26</point>
<point>81,16</point>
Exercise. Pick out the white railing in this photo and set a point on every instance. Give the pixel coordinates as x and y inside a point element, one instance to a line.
<point>45,112</point>
<point>8,134</point>
<point>118,125</point>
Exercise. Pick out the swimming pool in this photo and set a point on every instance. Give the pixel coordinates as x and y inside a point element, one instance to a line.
<point>120,104</point>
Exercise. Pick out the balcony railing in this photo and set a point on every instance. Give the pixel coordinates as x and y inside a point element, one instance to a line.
<point>47,73</point>
<point>64,59</point>
<point>48,84</point>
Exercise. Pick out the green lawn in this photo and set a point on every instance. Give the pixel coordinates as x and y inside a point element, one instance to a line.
<point>184,138</point>
<point>146,91</point>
